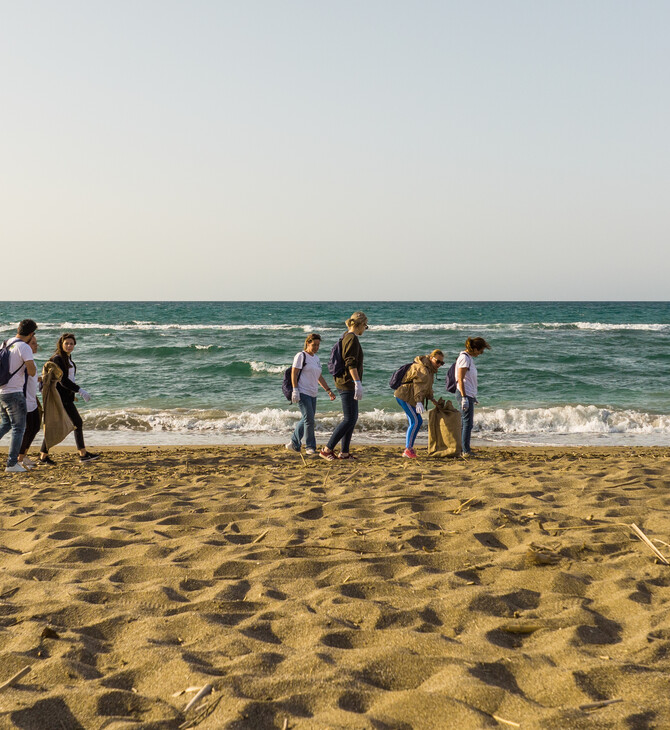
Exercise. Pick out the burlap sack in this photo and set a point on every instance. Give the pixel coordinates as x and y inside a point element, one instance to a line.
<point>57,424</point>
<point>444,430</point>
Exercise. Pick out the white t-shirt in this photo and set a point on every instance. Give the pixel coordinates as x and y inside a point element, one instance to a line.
<point>31,393</point>
<point>310,374</point>
<point>470,379</point>
<point>20,352</point>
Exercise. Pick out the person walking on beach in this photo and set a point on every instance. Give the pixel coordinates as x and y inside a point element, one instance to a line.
<point>18,357</point>
<point>416,387</point>
<point>67,388</point>
<point>33,413</point>
<point>466,385</point>
<point>306,377</point>
<point>350,387</point>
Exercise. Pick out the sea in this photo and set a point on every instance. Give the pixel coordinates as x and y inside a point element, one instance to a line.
<point>563,373</point>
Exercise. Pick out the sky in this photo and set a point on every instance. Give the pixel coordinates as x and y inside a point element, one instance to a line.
<point>349,150</point>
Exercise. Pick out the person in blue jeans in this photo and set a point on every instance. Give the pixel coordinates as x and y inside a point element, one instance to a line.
<point>306,377</point>
<point>21,365</point>
<point>349,386</point>
<point>466,379</point>
<point>417,387</point>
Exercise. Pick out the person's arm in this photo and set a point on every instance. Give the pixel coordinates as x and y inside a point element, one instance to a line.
<point>295,374</point>
<point>30,367</point>
<point>326,387</point>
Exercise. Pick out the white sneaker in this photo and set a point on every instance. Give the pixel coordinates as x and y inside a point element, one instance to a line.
<point>310,452</point>
<point>28,462</point>
<point>291,447</point>
<point>16,469</point>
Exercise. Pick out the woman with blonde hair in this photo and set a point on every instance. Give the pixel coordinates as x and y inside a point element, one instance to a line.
<point>350,387</point>
<point>417,387</point>
<point>306,377</point>
<point>466,385</point>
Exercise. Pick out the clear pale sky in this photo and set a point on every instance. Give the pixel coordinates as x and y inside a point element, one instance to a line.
<point>348,149</point>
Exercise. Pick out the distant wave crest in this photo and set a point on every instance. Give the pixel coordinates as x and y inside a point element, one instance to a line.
<point>399,327</point>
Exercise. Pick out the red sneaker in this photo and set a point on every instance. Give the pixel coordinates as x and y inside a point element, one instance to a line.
<point>409,454</point>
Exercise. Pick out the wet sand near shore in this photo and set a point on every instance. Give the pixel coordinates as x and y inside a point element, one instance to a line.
<point>504,591</point>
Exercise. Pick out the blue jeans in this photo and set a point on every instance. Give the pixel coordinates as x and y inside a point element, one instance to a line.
<point>305,425</point>
<point>415,422</point>
<point>345,427</point>
<point>13,409</point>
<point>467,418</point>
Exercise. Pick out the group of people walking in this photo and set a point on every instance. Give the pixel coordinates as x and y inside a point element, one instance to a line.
<point>22,414</point>
<point>20,408</point>
<point>413,392</point>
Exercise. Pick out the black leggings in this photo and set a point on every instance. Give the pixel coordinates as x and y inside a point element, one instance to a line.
<point>33,425</point>
<point>71,410</point>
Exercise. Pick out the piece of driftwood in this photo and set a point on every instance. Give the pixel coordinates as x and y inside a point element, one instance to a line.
<point>203,693</point>
<point>649,543</point>
<point>511,723</point>
<point>522,627</point>
<point>15,678</point>
<point>598,705</point>
<point>184,691</point>
<point>353,474</point>
<point>260,537</point>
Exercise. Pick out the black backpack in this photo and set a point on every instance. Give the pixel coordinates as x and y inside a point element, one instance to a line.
<point>287,385</point>
<point>336,361</point>
<point>5,373</point>
<point>398,376</point>
<point>451,381</point>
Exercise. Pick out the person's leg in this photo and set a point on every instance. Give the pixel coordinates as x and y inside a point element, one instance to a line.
<point>5,423</point>
<point>351,424</point>
<point>467,417</point>
<point>299,430</point>
<point>71,410</point>
<point>308,402</point>
<point>347,398</point>
<point>15,405</point>
<point>414,423</point>
<point>33,424</point>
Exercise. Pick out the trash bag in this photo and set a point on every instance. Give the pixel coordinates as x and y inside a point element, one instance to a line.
<point>444,430</point>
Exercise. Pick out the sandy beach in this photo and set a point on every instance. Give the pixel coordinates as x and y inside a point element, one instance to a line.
<point>505,591</point>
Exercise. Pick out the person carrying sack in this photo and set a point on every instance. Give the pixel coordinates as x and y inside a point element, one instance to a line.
<point>57,423</point>
<point>417,387</point>
<point>444,430</point>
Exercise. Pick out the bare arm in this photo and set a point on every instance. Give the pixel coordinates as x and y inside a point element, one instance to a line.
<point>295,374</point>
<point>30,367</point>
<point>354,373</point>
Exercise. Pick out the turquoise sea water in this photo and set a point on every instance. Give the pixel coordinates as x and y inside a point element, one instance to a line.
<point>168,372</point>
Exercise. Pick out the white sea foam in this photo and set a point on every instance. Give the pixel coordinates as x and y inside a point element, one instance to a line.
<point>568,419</point>
<point>408,327</point>
<point>264,367</point>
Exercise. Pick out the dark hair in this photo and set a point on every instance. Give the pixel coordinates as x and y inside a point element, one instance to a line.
<point>312,338</point>
<point>472,344</point>
<point>26,327</point>
<point>59,347</point>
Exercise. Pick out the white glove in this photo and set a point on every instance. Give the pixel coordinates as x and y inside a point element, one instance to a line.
<point>419,408</point>
<point>295,396</point>
<point>358,390</point>
<point>85,395</point>
<point>465,403</point>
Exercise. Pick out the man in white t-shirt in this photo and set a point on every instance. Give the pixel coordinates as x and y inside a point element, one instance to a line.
<point>12,395</point>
